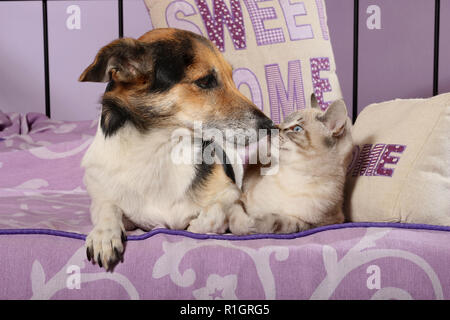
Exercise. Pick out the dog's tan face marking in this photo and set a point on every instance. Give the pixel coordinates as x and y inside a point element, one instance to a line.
<point>170,77</point>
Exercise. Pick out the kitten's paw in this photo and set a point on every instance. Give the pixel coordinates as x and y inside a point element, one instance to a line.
<point>241,223</point>
<point>243,226</point>
<point>105,246</point>
<point>275,223</point>
<point>202,226</point>
<point>212,220</point>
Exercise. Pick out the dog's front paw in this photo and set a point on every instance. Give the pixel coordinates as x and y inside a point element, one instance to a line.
<point>105,246</point>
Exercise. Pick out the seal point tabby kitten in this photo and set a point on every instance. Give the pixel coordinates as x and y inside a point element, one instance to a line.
<point>308,189</point>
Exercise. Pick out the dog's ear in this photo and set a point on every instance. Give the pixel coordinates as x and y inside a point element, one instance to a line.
<point>121,61</point>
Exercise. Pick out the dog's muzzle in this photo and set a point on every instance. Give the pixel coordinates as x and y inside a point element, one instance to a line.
<point>262,121</point>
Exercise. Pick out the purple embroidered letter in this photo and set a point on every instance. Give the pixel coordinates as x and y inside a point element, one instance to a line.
<point>282,102</point>
<point>257,16</point>
<point>187,10</point>
<point>245,76</point>
<point>221,15</point>
<point>387,159</point>
<point>290,11</point>
<point>320,85</point>
<point>323,22</point>
<point>367,160</point>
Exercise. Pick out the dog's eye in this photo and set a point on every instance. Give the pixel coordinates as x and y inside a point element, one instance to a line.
<point>207,82</point>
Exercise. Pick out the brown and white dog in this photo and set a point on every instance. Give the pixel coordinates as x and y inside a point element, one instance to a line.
<point>164,81</point>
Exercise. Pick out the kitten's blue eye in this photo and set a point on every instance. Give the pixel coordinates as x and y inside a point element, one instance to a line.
<point>297,129</point>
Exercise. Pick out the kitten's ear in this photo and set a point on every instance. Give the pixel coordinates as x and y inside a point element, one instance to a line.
<point>335,117</point>
<point>314,103</point>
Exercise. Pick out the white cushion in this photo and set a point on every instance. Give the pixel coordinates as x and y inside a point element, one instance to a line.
<point>401,163</point>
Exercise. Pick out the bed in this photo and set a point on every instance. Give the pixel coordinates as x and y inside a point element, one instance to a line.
<point>44,219</point>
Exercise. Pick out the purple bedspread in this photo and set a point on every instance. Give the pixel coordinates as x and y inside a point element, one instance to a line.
<point>44,217</point>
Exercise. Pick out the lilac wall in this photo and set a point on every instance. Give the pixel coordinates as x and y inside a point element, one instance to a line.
<point>72,48</point>
<point>444,46</point>
<point>22,83</point>
<point>136,19</point>
<point>340,25</point>
<point>395,61</point>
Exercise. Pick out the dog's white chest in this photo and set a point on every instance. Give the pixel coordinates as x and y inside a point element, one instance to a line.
<point>137,174</point>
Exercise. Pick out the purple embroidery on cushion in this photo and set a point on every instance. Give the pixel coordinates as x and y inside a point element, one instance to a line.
<point>222,15</point>
<point>187,10</point>
<point>245,76</point>
<point>373,159</point>
<point>364,158</point>
<point>257,16</point>
<point>282,101</point>
<point>320,85</point>
<point>290,11</point>
<point>370,160</point>
<point>386,158</point>
<point>323,22</point>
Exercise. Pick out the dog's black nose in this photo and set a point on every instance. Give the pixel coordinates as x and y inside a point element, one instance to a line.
<point>263,122</point>
<point>266,123</point>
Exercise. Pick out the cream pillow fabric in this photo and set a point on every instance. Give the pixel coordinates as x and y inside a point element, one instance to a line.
<point>280,50</point>
<point>401,163</point>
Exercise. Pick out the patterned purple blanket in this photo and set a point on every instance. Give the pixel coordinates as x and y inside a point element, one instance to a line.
<point>44,217</point>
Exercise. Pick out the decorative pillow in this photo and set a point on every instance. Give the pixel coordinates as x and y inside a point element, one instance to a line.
<point>280,50</point>
<point>401,163</point>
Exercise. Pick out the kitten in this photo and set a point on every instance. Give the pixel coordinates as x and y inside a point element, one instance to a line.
<point>307,191</point>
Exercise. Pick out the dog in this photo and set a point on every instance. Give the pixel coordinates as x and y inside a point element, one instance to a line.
<point>164,81</point>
